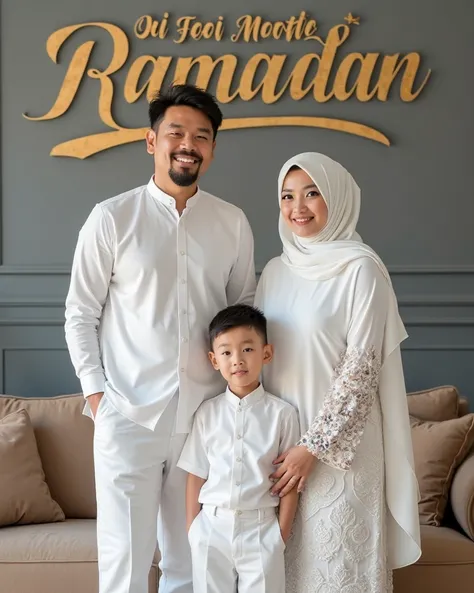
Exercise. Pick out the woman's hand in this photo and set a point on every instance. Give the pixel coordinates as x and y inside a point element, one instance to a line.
<point>296,465</point>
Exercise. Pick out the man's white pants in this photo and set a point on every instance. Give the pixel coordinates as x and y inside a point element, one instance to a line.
<point>140,498</point>
<point>237,551</point>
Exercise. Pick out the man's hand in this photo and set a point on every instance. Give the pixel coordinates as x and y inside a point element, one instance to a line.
<point>94,401</point>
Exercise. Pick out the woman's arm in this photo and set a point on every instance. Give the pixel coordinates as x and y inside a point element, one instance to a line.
<point>337,430</point>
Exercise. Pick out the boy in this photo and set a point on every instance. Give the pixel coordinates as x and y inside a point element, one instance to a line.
<point>236,537</point>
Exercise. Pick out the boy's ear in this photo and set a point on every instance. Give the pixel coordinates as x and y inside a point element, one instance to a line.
<point>267,353</point>
<point>212,358</point>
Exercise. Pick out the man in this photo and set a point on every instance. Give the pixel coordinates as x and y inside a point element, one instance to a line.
<point>151,269</point>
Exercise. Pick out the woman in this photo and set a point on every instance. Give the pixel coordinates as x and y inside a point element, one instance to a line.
<point>334,321</point>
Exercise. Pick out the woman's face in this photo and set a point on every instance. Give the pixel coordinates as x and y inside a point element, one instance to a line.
<point>302,206</point>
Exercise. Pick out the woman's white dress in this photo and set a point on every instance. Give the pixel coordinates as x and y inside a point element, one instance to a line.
<point>328,337</point>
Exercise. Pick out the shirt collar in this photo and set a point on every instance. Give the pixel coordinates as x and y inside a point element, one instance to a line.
<point>248,400</point>
<point>168,200</point>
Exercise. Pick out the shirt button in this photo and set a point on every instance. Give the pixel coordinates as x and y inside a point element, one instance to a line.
<point>184,311</point>
<point>238,512</point>
<point>182,369</point>
<point>239,459</point>
<point>182,252</point>
<point>239,436</point>
<point>183,281</point>
<point>237,483</point>
<point>184,339</point>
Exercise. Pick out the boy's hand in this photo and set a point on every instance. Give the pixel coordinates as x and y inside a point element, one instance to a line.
<point>296,465</point>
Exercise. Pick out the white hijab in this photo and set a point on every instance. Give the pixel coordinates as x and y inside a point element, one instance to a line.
<point>328,253</point>
<point>324,256</point>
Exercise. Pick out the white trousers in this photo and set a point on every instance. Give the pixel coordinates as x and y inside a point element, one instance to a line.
<point>140,499</point>
<point>237,551</point>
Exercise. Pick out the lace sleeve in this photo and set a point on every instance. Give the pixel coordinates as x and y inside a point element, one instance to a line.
<point>337,430</point>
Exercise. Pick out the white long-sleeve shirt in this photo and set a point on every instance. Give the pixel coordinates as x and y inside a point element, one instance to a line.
<point>233,444</point>
<point>145,284</point>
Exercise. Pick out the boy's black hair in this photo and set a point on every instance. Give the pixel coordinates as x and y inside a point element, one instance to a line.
<point>238,316</point>
<point>186,95</point>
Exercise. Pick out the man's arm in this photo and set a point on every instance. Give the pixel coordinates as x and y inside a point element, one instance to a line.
<point>193,506</point>
<point>90,279</point>
<point>242,281</point>
<point>287,512</point>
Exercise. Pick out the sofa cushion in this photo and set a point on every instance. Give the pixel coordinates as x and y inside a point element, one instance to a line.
<point>442,545</point>
<point>439,448</point>
<point>462,495</point>
<point>24,495</point>
<point>64,437</point>
<point>53,558</point>
<point>436,404</point>
<point>72,540</point>
<point>447,564</point>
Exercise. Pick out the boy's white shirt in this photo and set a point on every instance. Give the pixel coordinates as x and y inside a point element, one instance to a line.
<point>232,445</point>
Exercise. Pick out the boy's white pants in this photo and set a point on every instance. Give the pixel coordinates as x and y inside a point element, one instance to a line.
<point>140,495</point>
<point>237,551</point>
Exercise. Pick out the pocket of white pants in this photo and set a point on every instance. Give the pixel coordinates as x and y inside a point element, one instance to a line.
<point>99,407</point>
<point>193,525</point>
<point>279,535</point>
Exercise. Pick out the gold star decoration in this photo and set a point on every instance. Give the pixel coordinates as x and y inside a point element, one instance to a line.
<point>352,20</point>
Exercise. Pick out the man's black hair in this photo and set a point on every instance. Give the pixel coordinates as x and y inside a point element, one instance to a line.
<point>238,316</point>
<point>186,95</point>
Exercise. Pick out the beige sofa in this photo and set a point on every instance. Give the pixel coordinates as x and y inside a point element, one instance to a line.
<point>57,557</point>
<point>62,557</point>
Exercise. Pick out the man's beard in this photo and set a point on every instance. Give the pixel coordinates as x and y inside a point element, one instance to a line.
<point>183,178</point>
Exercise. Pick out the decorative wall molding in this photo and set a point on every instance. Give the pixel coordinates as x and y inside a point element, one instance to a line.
<point>415,321</point>
<point>31,322</point>
<point>41,270</point>
<point>422,270</point>
<point>414,300</point>
<point>3,352</point>
<point>36,303</point>
<point>439,321</point>
<point>438,347</point>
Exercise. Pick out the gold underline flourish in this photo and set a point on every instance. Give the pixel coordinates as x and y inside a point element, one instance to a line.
<point>82,148</point>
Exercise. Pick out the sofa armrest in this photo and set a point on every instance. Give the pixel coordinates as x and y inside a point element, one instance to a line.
<point>462,495</point>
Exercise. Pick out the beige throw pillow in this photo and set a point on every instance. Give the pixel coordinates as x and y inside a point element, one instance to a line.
<point>24,494</point>
<point>439,448</point>
<point>436,404</point>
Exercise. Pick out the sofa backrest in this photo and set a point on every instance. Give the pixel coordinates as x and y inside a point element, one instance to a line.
<point>463,406</point>
<point>65,439</point>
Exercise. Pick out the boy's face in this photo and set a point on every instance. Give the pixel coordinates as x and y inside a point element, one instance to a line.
<point>239,354</point>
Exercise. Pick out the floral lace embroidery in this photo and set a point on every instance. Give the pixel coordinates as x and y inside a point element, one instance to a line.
<point>339,426</point>
<point>323,488</point>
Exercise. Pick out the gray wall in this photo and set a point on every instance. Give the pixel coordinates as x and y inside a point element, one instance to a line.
<point>418,207</point>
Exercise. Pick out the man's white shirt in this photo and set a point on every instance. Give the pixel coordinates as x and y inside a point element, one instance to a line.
<point>145,284</point>
<point>233,444</point>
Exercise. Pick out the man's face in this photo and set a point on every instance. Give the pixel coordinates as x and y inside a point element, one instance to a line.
<point>182,145</point>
